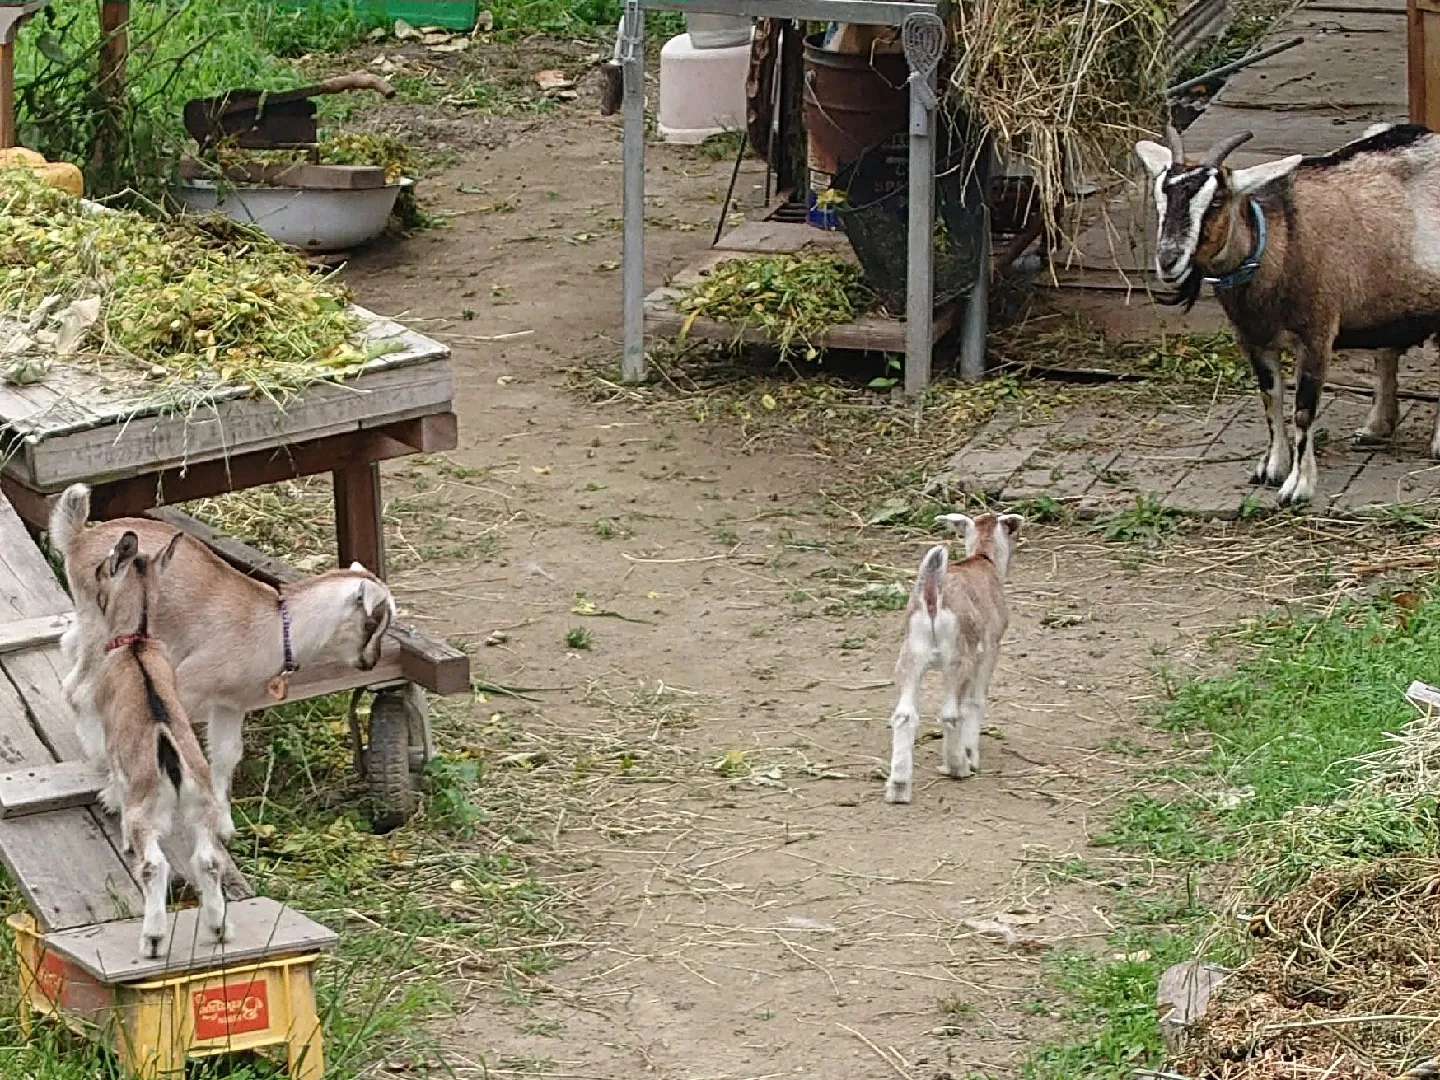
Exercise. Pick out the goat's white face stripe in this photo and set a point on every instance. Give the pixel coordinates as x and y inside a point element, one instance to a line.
<point>1198,205</point>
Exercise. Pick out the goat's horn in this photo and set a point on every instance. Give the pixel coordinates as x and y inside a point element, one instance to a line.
<point>1224,148</point>
<point>1177,149</point>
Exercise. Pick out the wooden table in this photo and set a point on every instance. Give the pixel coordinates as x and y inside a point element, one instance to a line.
<point>75,427</point>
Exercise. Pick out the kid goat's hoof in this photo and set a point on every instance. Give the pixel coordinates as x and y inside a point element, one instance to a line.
<point>897,792</point>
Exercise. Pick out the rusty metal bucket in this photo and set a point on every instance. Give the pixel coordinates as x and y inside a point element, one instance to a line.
<point>852,103</point>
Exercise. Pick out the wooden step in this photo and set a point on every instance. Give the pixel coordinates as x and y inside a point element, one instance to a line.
<point>260,929</point>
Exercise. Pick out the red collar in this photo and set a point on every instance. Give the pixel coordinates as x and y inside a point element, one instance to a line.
<point>123,641</point>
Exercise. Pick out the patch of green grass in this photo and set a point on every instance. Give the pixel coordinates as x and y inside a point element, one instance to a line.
<point>577,637</point>
<point>1111,999</point>
<point>1271,793</point>
<point>1148,523</point>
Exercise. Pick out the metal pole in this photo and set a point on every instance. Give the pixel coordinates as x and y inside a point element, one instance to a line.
<point>920,250</point>
<point>972,334</point>
<point>632,364</point>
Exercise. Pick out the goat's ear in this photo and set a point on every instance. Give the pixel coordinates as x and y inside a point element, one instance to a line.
<point>373,598</point>
<point>1153,156</point>
<point>163,559</point>
<point>1011,524</point>
<point>125,549</point>
<point>962,524</point>
<point>1244,181</point>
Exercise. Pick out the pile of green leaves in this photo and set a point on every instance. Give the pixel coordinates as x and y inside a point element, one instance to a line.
<point>188,305</point>
<point>793,299</point>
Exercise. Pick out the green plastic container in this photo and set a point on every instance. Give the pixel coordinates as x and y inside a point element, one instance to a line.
<point>450,14</point>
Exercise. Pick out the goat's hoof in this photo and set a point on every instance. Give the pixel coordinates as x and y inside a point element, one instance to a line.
<point>1435,450</point>
<point>220,931</point>
<point>150,945</point>
<point>897,792</point>
<point>959,771</point>
<point>1366,438</point>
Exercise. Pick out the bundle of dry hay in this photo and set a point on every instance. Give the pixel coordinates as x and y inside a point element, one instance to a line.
<point>1064,86</point>
<point>1344,982</point>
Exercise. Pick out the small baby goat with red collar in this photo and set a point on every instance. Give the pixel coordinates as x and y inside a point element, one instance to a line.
<point>158,775</point>
<point>956,619</point>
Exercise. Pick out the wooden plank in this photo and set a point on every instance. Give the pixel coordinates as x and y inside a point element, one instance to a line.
<point>436,665</point>
<point>28,633</point>
<point>1159,455</point>
<point>67,870</point>
<point>230,429</point>
<point>42,788</point>
<point>780,238</point>
<point>129,497</point>
<point>359,531</point>
<point>261,929</point>
<point>872,333</point>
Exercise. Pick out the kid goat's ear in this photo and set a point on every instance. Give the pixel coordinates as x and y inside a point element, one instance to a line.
<point>125,549</point>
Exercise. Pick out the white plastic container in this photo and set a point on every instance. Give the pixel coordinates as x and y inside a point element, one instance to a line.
<point>312,219</point>
<point>702,91</point>
<point>719,31</point>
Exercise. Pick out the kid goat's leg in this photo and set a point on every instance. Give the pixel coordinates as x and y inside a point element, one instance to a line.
<point>205,866</point>
<point>148,865</point>
<point>953,761</point>
<point>973,700</point>
<point>909,671</point>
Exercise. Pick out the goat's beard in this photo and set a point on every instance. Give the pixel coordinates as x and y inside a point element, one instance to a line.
<point>1186,293</point>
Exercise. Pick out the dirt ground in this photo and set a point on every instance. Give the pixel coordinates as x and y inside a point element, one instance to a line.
<point>763,913</point>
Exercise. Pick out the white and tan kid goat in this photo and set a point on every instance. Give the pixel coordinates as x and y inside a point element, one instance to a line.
<point>233,639</point>
<point>955,621</point>
<point>159,779</point>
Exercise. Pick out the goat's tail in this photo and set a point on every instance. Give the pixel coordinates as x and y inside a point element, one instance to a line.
<point>167,756</point>
<point>931,579</point>
<point>68,518</point>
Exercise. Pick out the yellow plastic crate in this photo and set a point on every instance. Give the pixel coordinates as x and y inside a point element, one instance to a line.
<point>154,1025</point>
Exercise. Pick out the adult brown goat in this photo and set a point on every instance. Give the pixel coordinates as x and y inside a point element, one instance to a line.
<point>1339,251</point>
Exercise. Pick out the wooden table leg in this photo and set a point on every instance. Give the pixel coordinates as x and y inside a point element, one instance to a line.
<point>358,525</point>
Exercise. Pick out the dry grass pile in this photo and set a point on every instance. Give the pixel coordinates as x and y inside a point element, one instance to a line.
<point>186,307</point>
<point>1344,982</point>
<point>1064,86</point>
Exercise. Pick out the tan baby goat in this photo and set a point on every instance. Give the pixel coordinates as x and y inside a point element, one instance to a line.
<point>158,776</point>
<point>956,619</point>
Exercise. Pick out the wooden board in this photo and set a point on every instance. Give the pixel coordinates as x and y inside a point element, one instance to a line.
<point>782,238</point>
<point>76,427</point>
<point>260,929</point>
<point>27,633</point>
<point>42,788</point>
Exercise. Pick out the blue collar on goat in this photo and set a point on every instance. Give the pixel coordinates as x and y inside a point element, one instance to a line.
<point>1243,273</point>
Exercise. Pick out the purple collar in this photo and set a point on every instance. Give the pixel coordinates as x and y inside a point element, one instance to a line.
<point>290,666</point>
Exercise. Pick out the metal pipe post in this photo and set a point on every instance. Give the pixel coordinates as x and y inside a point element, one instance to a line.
<point>972,334</point>
<point>632,364</point>
<point>920,246</point>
